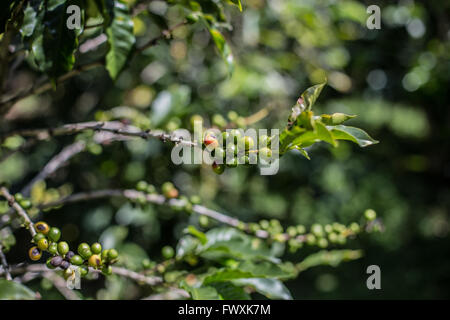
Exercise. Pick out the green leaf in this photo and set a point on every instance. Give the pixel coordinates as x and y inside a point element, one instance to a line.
<point>353,134</point>
<point>29,21</point>
<point>106,7</point>
<point>58,42</point>
<point>229,291</point>
<point>10,290</point>
<point>271,288</point>
<point>120,38</point>
<point>236,3</point>
<point>331,258</point>
<point>226,274</point>
<point>229,242</point>
<point>186,245</point>
<point>335,118</point>
<point>263,269</point>
<point>201,293</point>
<point>324,134</point>
<point>223,47</point>
<point>198,234</point>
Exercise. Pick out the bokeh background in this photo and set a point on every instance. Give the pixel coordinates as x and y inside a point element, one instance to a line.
<point>395,79</point>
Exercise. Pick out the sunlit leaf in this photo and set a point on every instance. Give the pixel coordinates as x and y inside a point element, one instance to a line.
<point>356,135</point>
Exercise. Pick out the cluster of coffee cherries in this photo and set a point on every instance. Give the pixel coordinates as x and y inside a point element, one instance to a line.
<point>296,236</point>
<point>238,149</point>
<point>47,240</point>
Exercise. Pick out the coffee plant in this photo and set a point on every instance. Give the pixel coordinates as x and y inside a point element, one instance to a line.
<point>216,256</point>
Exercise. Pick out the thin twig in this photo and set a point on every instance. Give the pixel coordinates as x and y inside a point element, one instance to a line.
<point>20,211</point>
<point>55,163</point>
<point>114,127</point>
<point>5,264</point>
<point>42,268</point>
<point>152,198</point>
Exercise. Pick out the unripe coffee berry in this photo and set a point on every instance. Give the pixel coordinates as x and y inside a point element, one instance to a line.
<point>41,227</point>
<point>247,142</point>
<point>107,270</point>
<point>232,163</point>
<point>49,263</point>
<point>53,248</point>
<point>96,248</point>
<point>86,253</point>
<point>84,270</point>
<point>370,214</point>
<point>105,254</point>
<point>76,260</point>
<point>54,234</point>
<point>168,252</point>
<point>218,168</point>
<point>83,246</point>
<point>265,153</point>
<point>43,244</point>
<point>38,237</point>
<point>141,186</point>
<point>113,254</point>
<point>63,248</point>
<point>34,253</point>
<point>26,204</point>
<point>68,273</point>
<point>18,197</point>
<point>95,261</point>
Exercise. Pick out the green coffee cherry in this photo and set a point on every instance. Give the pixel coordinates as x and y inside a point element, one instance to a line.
<point>322,243</point>
<point>232,150</point>
<point>225,136</point>
<point>84,270</point>
<point>236,134</point>
<point>246,143</point>
<point>106,270</point>
<point>203,221</point>
<point>104,254</point>
<point>85,253</point>
<point>48,263</point>
<point>96,248</point>
<point>63,248</point>
<point>43,244</point>
<point>54,234</point>
<point>370,214</point>
<point>83,246</point>
<point>141,186</point>
<point>354,227</point>
<point>195,199</point>
<point>113,254</point>
<point>218,168</point>
<point>265,153</point>
<point>168,252</point>
<point>53,248</point>
<point>310,239</point>
<point>317,230</point>
<point>25,203</point>
<point>18,197</point>
<point>38,237</point>
<point>76,260</point>
<point>151,188</point>
<point>232,163</point>
<point>68,273</point>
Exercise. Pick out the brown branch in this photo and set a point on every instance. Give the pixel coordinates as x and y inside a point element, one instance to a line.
<point>55,163</point>
<point>60,284</point>
<point>20,211</point>
<point>42,268</point>
<point>114,127</point>
<point>5,264</point>
<point>171,294</point>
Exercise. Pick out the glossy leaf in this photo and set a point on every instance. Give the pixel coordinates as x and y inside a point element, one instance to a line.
<point>186,245</point>
<point>271,288</point>
<point>331,258</point>
<point>120,38</point>
<point>223,47</point>
<point>353,134</point>
<point>226,274</point>
<point>229,291</point>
